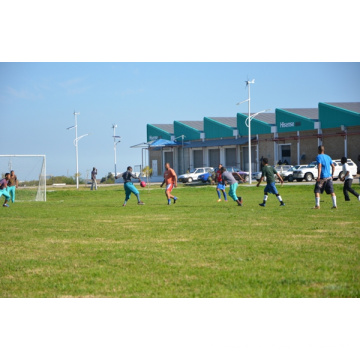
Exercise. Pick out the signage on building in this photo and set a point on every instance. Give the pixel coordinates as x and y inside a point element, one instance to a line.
<point>289,124</point>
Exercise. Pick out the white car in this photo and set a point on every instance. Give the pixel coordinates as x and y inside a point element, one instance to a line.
<point>194,174</point>
<point>310,172</point>
<point>338,168</point>
<point>284,170</point>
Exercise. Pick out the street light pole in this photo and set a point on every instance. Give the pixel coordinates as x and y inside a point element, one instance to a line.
<point>115,143</point>
<point>250,175</point>
<point>248,124</point>
<point>249,136</point>
<point>76,147</point>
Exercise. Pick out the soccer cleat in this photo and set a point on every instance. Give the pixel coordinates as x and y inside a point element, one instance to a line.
<point>175,198</point>
<point>334,207</point>
<point>140,203</point>
<point>6,205</point>
<point>124,204</point>
<point>282,204</point>
<point>262,204</point>
<point>316,207</point>
<point>219,200</point>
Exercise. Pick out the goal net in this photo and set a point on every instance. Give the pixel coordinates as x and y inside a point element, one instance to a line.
<point>30,171</point>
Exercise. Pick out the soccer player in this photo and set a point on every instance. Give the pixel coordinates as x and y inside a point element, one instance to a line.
<point>129,186</point>
<point>4,189</point>
<point>170,178</point>
<point>324,181</point>
<point>348,179</point>
<point>270,187</point>
<point>220,184</point>
<point>12,185</point>
<point>228,177</point>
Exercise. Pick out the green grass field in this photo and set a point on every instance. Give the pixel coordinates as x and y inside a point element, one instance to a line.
<point>83,243</point>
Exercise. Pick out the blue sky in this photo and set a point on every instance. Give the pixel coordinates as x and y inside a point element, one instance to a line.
<point>37,100</point>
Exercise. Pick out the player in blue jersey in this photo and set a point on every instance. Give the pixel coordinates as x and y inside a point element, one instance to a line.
<point>324,179</point>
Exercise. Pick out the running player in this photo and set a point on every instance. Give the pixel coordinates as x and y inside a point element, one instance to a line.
<point>270,187</point>
<point>129,186</point>
<point>228,177</point>
<point>220,184</point>
<point>170,179</point>
<point>4,189</point>
<point>12,185</point>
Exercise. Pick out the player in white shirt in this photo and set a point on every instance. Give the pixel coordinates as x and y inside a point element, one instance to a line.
<point>348,179</point>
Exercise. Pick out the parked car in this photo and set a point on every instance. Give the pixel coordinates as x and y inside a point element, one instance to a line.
<point>290,177</point>
<point>338,168</point>
<point>211,176</point>
<point>206,178</point>
<point>194,174</point>
<point>284,170</point>
<point>310,172</point>
<point>236,172</point>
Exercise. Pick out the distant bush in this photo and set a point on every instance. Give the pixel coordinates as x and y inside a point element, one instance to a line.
<point>109,179</point>
<point>63,180</point>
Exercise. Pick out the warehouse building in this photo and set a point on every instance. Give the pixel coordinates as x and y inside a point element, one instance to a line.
<point>286,136</point>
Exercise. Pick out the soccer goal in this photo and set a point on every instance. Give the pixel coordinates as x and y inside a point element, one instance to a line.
<point>30,171</point>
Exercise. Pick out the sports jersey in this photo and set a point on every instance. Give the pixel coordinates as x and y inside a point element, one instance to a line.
<point>228,176</point>
<point>3,184</point>
<point>127,175</point>
<point>169,176</point>
<point>219,177</point>
<point>325,161</point>
<point>269,172</point>
<point>345,169</point>
<point>12,181</point>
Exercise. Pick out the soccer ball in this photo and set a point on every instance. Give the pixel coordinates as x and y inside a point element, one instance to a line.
<point>341,176</point>
<point>143,184</point>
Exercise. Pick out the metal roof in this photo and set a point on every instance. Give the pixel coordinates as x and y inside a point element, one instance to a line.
<point>268,118</point>
<point>197,125</point>
<point>310,113</point>
<point>351,106</point>
<point>229,121</point>
<point>169,128</point>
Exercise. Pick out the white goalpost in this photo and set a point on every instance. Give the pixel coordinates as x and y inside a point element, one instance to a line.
<point>30,171</point>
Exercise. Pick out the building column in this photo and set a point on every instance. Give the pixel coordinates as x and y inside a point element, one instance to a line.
<point>298,147</point>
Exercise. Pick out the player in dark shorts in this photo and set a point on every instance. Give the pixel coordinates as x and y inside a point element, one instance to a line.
<point>270,187</point>
<point>324,181</point>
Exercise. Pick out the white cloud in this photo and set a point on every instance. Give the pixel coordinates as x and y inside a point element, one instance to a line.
<point>23,94</point>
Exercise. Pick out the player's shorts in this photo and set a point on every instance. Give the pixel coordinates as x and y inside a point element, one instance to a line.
<point>324,184</point>
<point>5,193</point>
<point>169,187</point>
<point>271,189</point>
<point>220,186</point>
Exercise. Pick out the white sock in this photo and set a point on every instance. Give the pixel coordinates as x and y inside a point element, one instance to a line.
<point>265,198</point>
<point>334,200</point>
<point>317,201</point>
<point>279,198</point>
